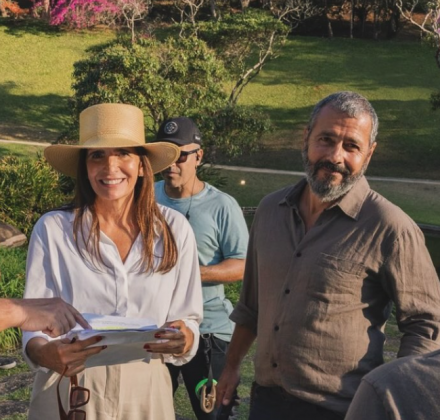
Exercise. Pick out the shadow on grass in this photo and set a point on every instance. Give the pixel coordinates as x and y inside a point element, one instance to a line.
<point>363,64</point>
<point>28,25</point>
<point>32,117</point>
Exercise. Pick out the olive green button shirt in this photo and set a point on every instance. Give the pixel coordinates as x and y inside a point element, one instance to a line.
<point>318,301</point>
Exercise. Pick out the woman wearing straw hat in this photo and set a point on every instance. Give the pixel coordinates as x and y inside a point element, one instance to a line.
<point>114,251</point>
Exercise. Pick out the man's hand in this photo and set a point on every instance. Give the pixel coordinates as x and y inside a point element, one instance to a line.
<point>178,344</point>
<point>227,385</point>
<point>53,316</point>
<point>58,354</point>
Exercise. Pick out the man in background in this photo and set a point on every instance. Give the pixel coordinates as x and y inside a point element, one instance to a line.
<point>221,235</point>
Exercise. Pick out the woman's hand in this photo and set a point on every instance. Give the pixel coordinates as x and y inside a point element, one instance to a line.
<point>58,354</point>
<point>178,344</point>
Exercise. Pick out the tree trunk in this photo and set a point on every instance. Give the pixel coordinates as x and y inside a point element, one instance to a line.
<point>244,4</point>
<point>213,7</point>
<point>375,21</point>
<point>46,10</point>
<point>351,19</point>
<point>329,24</point>
<point>364,13</point>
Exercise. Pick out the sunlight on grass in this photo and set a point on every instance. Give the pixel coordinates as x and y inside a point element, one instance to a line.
<point>420,202</point>
<point>35,76</point>
<point>398,78</point>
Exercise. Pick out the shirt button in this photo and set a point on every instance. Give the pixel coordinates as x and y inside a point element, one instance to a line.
<point>287,291</point>
<point>276,328</point>
<point>274,365</point>
<point>298,254</point>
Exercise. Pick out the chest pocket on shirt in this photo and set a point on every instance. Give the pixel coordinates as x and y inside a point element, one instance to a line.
<point>336,280</point>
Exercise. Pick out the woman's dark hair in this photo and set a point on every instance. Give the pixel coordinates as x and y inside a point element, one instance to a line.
<point>149,219</point>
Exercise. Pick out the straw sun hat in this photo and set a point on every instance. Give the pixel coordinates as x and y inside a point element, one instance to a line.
<point>109,126</point>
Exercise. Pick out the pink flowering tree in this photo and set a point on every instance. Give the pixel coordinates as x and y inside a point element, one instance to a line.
<point>80,14</point>
<point>83,13</point>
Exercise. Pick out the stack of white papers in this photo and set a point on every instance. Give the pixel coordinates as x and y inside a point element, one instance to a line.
<point>124,337</point>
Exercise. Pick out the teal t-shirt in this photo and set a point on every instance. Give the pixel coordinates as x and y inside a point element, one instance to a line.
<point>221,233</point>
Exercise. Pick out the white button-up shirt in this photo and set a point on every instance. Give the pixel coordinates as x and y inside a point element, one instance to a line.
<point>55,268</point>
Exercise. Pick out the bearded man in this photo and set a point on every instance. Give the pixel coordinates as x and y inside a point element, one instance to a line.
<point>327,257</point>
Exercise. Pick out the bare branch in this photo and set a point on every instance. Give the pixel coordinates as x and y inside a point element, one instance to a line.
<point>296,11</point>
<point>430,23</point>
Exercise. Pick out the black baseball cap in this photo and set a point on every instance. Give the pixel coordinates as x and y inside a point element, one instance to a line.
<point>180,131</point>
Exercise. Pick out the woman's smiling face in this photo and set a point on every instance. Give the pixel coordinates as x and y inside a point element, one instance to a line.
<point>113,173</point>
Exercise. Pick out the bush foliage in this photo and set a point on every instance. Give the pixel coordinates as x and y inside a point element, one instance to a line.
<point>13,267</point>
<point>33,188</point>
<point>177,76</point>
<point>164,78</point>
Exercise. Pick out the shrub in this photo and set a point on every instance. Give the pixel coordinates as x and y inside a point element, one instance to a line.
<point>28,188</point>
<point>435,100</point>
<point>164,79</point>
<point>234,130</point>
<point>12,278</point>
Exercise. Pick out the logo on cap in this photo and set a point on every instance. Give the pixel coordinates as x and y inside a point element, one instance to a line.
<point>170,128</point>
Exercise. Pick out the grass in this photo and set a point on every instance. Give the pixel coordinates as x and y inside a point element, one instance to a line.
<point>19,150</point>
<point>398,78</point>
<point>36,64</point>
<point>421,202</point>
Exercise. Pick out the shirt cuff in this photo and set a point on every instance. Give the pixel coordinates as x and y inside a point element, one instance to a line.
<point>245,317</point>
<point>413,345</point>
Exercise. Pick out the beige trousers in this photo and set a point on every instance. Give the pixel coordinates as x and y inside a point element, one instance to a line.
<point>133,391</point>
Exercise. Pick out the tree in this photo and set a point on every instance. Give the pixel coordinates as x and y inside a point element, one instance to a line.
<point>430,24</point>
<point>180,76</point>
<point>77,14</point>
<point>429,27</point>
<point>10,7</point>
<point>83,13</point>
<point>164,78</point>
<point>238,38</point>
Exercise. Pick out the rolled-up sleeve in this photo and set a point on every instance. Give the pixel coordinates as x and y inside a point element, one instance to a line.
<point>411,281</point>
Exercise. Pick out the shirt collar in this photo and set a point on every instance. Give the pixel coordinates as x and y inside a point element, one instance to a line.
<point>351,203</point>
<point>293,194</point>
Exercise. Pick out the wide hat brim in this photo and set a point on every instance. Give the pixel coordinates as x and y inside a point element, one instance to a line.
<point>64,158</point>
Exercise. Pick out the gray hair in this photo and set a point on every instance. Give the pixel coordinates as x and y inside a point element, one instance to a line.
<point>350,103</point>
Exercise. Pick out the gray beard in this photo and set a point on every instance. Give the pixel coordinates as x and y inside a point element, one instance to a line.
<point>323,188</point>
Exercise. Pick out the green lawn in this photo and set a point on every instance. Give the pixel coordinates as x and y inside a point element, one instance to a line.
<point>35,78</point>
<point>398,78</point>
<point>421,202</point>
